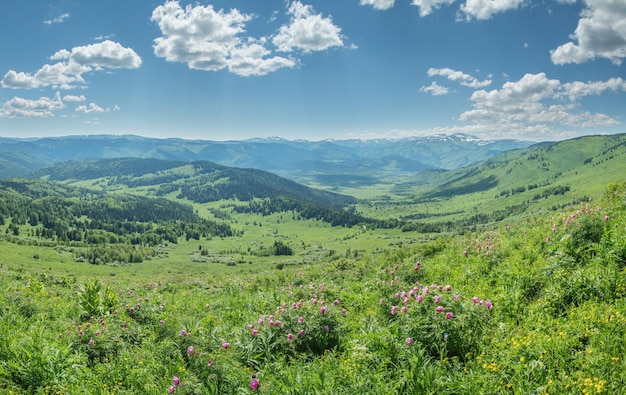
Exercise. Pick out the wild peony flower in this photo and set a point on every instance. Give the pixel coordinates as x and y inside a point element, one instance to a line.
<point>404,309</point>
<point>225,345</point>
<point>449,315</point>
<point>419,298</point>
<point>254,383</point>
<point>302,332</point>
<point>436,298</point>
<point>190,350</point>
<point>475,299</point>
<point>290,336</point>
<point>175,381</point>
<point>439,309</point>
<point>409,341</point>
<point>323,310</point>
<point>394,310</point>
<point>171,389</point>
<point>183,333</point>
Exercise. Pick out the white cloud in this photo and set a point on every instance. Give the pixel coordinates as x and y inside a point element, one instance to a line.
<point>428,6</point>
<point>485,9</point>
<point>67,74</point>
<point>378,4</point>
<point>307,31</point>
<point>577,89</point>
<point>435,89</point>
<point>458,76</point>
<point>18,107</point>
<point>535,103</point>
<point>58,19</point>
<point>74,98</point>
<point>210,40</point>
<point>93,107</point>
<point>601,32</point>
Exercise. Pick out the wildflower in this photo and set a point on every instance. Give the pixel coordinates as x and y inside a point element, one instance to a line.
<point>394,310</point>
<point>488,304</point>
<point>457,297</point>
<point>449,315</point>
<point>254,332</point>
<point>475,299</point>
<point>190,350</point>
<point>323,310</point>
<point>404,309</point>
<point>290,336</point>
<point>409,341</point>
<point>171,389</point>
<point>225,345</point>
<point>448,288</point>
<point>210,363</point>
<point>183,333</point>
<point>326,328</point>
<point>439,309</point>
<point>90,342</point>
<point>343,311</point>
<point>419,298</point>
<point>300,319</point>
<point>161,322</point>
<point>175,381</point>
<point>302,332</point>
<point>445,337</point>
<point>337,302</point>
<point>254,384</point>
<point>436,298</point>
<point>606,217</point>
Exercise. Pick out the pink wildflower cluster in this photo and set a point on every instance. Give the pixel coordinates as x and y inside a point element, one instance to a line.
<point>486,246</point>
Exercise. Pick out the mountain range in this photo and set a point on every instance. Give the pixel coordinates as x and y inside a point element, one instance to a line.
<point>354,161</point>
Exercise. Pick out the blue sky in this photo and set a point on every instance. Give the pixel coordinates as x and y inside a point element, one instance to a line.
<point>220,70</point>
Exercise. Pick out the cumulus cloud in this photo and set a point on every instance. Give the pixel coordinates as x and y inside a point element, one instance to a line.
<point>426,7</point>
<point>307,31</point>
<point>67,73</point>
<point>601,32</point>
<point>536,103</point>
<point>74,98</point>
<point>206,39</point>
<point>18,107</point>
<point>458,76</point>
<point>485,9</point>
<point>92,107</point>
<point>378,4</point>
<point>435,89</point>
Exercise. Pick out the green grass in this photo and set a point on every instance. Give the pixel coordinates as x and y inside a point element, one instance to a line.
<point>549,316</point>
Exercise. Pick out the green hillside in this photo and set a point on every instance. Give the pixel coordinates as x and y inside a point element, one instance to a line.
<point>537,179</point>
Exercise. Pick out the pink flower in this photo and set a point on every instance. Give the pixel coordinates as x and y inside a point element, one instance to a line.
<point>302,332</point>
<point>343,311</point>
<point>404,309</point>
<point>488,304</point>
<point>409,341</point>
<point>439,309</point>
<point>290,336</point>
<point>171,389</point>
<point>419,298</point>
<point>254,384</point>
<point>449,315</point>
<point>90,342</point>
<point>475,299</point>
<point>323,310</point>
<point>337,302</point>
<point>225,345</point>
<point>436,298</point>
<point>448,288</point>
<point>300,319</point>
<point>175,381</point>
<point>394,310</point>
<point>190,350</point>
<point>210,363</point>
<point>183,333</point>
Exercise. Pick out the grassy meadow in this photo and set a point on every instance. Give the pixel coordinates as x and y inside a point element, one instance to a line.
<point>532,306</point>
